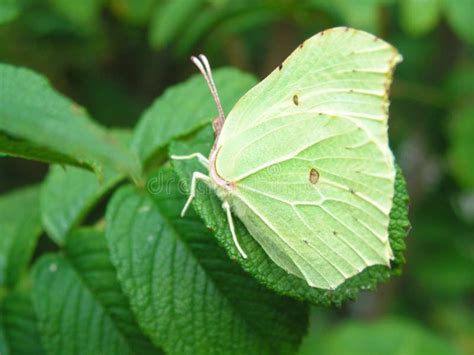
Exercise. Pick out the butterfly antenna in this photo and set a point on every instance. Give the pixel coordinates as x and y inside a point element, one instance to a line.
<point>203,65</point>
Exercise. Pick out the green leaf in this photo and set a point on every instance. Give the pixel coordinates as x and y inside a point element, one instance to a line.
<point>461,149</point>
<point>208,206</point>
<point>457,320</point>
<point>169,19</point>
<point>68,194</point>
<point>9,10</point>
<point>419,17</point>
<point>460,14</point>
<point>246,20</point>
<point>362,14</point>
<point>19,324</point>
<point>186,294</point>
<point>211,19</point>
<point>459,84</point>
<point>135,12</point>
<point>27,150</point>
<point>442,268</point>
<point>84,13</point>
<point>4,349</point>
<point>79,303</point>
<point>20,227</point>
<point>204,21</point>
<point>30,110</point>
<point>87,251</point>
<point>184,108</point>
<point>390,336</point>
<point>460,124</point>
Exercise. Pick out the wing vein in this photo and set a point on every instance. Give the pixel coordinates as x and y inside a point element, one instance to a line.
<point>346,276</point>
<point>270,226</point>
<point>288,156</point>
<point>329,213</point>
<point>362,196</point>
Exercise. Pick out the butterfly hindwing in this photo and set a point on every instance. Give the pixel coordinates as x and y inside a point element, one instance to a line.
<point>307,149</point>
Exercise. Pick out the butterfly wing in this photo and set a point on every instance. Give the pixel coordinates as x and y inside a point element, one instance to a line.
<point>308,151</point>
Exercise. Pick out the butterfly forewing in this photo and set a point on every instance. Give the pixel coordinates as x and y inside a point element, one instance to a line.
<point>307,149</point>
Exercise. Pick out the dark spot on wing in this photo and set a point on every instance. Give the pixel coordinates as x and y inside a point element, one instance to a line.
<point>313,176</point>
<point>352,191</point>
<point>280,67</point>
<point>334,232</point>
<point>295,100</point>
<point>305,241</point>
<point>301,45</point>
<point>322,33</point>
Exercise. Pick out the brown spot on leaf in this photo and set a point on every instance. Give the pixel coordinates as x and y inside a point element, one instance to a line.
<point>296,100</point>
<point>313,176</point>
<point>280,67</point>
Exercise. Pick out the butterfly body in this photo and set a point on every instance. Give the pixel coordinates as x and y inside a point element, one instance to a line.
<point>303,158</point>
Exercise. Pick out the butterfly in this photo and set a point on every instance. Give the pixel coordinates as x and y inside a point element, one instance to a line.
<point>303,158</point>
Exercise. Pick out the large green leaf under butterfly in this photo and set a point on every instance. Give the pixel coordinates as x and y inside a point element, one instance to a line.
<point>306,162</point>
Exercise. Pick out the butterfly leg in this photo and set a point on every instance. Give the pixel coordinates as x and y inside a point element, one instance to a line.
<point>201,158</point>
<point>226,207</point>
<point>196,176</point>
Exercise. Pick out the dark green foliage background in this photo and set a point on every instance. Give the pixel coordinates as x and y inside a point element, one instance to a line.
<point>93,255</point>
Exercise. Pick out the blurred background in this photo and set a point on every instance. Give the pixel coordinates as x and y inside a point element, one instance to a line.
<point>116,56</point>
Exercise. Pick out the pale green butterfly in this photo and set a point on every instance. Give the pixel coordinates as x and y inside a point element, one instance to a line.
<point>303,158</point>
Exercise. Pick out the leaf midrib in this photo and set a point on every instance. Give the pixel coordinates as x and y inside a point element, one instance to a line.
<point>100,303</point>
<point>232,305</point>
